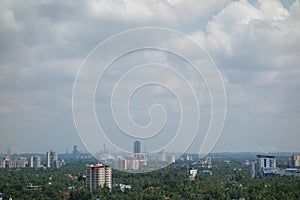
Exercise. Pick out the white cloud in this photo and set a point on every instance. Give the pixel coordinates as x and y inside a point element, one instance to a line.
<point>132,12</point>
<point>272,10</point>
<point>188,12</point>
<point>256,46</point>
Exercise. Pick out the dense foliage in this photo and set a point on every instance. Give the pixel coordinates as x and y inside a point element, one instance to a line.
<point>229,181</point>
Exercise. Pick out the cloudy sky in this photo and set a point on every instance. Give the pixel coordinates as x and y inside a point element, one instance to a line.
<point>255,44</point>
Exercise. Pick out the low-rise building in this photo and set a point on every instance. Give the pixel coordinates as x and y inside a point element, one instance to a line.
<point>8,162</point>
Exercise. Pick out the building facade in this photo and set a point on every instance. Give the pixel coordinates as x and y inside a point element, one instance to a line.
<point>137,147</point>
<point>51,158</point>
<point>264,161</point>
<point>75,151</point>
<point>35,161</point>
<point>206,162</point>
<point>295,160</point>
<point>53,161</point>
<point>266,165</point>
<point>98,175</point>
<point>8,162</point>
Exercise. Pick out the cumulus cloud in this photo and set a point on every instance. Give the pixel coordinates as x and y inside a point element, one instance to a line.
<point>257,46</point>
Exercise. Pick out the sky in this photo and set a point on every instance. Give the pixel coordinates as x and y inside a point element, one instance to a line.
<point>254,44</point>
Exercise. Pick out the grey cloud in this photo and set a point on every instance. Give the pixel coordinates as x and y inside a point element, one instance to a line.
<point>43,44</point>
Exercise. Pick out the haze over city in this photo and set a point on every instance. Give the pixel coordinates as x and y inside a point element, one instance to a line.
<point>254,44</point>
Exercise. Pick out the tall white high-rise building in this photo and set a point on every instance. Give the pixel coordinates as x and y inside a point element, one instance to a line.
<point>35,161</point>
<point>98,175</point>
<point>51,159</point>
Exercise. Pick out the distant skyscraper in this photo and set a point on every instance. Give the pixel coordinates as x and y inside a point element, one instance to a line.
<point>75,150</point>
<point>9,150</point>
<point>171,158</point>
<point>121,163</point>
<point>35,161</point>
<point>98,175</point>
<point>134,164</point>
<point>137,147</point>
<point>163,155</point>
<point>104,149</point>
<point>51,159</point>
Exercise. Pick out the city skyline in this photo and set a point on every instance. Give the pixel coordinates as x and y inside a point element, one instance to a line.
<point>254,44</point>
<point>67,151</point>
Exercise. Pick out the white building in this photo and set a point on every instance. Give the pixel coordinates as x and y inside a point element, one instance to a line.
<point>163,155</point>
<point>51,158</point>
<point>193,172</point>
<point>171,158</point>
<point>21,162</point>
<point>134,164</point>
<point>206,162</point>
<point>266,165</point>
<point>98,175</point>
<point>7,162</point>
<point>120,163</point>
<point>35,161</point>
<point>264,161</point>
